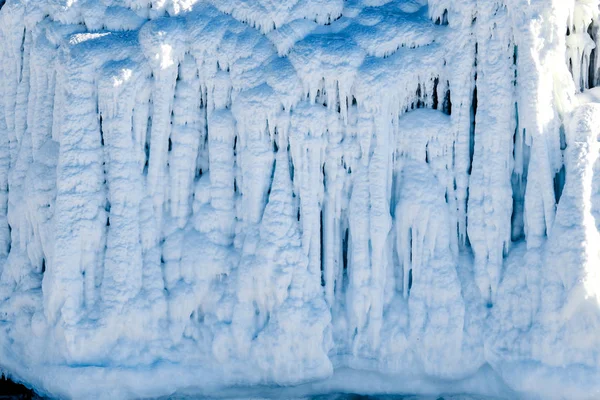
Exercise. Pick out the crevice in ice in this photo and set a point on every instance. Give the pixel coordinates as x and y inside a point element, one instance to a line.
<point>101,131</point>
<point>518,178</point>
<point>322,249</point>
<point>559,183</point>
<point>563,138</point>
<point>443,20</point>
<point>436,82</point>
<point>473,127</point>
<point>447,104</point>
<point>408,263</point>
<point>329,20</point>
<point>345,240</point>
<point>592,32</point>
<point>420,102</point>
<point>22,55</point>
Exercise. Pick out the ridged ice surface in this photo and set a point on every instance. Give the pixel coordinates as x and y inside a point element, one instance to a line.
<point>197,194</point>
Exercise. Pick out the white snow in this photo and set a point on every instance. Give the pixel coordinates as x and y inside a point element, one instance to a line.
<point>204,194</point>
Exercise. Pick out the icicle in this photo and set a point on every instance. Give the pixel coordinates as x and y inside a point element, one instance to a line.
<point>4,169</point>
<point>221,137</point>
<point>185,138</point>
<point>80,220</point>
<point>570,279</point>
<point>380,180</point>
<point>490,191</point>
<point>579,47</point>
<point>332,208</point>
<point>162,43</point>
<point>308,126</point>
<point>359,263</point>
<point>122,277</point>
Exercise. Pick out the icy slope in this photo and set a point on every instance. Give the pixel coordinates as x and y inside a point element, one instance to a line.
<point>205,193</point>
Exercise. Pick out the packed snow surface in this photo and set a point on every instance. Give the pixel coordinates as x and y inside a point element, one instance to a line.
<point>201,194</point>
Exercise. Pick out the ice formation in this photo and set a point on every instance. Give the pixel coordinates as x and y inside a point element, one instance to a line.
<point>199,194</point>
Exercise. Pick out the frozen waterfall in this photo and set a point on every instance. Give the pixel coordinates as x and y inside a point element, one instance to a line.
<point>202,194</point>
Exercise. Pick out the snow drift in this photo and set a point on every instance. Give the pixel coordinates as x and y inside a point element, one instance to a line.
<point>197,194</point>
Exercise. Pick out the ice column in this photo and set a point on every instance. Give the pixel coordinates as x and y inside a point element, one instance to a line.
<point>122,279</point>
<point>490,192</point>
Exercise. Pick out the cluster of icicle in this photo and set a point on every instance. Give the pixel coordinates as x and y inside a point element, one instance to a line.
<point>299,185</point>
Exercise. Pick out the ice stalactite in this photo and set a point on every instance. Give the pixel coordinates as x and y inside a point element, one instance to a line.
<point>541,128</point>
<point>187,136</point>
<point>162,42</point>
<point>458,101</point>
<point>221,140</point>
<point>19,141</point>
<point>269,287</point>
<point>557,274</point>
<point>426,237</point>
<point>276,301</point>
<point>358,296</point>
<point>44,151</point>
<point>462,96</point>
<point>569,308</point>
<point>553,325</point>
<point>431,281</point>
<point>380,188</point>
<point>254,153</point>
<point>490,194</point>
<point>307,145</point>
<point>12,32</point>
<point>423,143</point>
<point>580,43</point>
<point>4,170</point>
<point>122,275</point>
<point>333,177</point>
<point>267,16</point>
<point>80,220</point>
<point>212,230</point>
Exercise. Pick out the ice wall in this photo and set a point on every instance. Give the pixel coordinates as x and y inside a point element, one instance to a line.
<point>255,191</point>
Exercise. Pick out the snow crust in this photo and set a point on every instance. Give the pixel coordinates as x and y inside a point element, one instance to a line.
<point>200,194</point>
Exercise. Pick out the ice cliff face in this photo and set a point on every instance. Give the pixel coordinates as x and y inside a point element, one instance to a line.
<point>236,192</point>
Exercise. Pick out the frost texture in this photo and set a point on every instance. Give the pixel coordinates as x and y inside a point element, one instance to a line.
<point>199,194</point>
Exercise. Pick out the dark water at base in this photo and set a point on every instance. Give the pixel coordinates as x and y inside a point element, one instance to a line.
<point>13,391</point>
<point>338,396</point>
<point>10,390</point>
